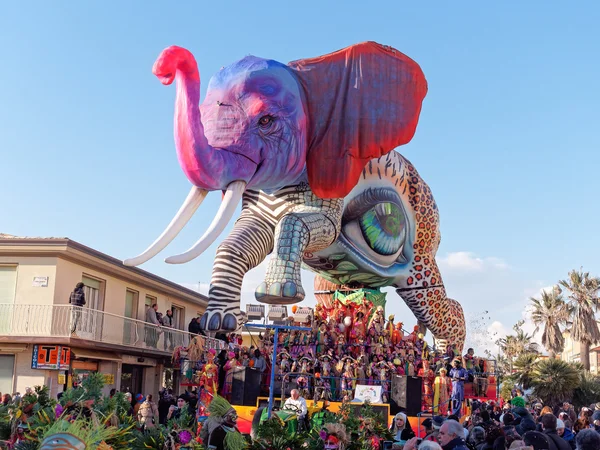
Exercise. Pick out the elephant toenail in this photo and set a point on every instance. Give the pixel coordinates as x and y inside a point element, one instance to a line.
<point>229,322</point>
<point>203,321</point>
<point>289,289</point>
<point>275,290</point>
<point>215,322</point>
<point>261,290</point>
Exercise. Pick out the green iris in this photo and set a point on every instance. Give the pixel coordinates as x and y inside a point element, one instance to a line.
<point>383,227</point>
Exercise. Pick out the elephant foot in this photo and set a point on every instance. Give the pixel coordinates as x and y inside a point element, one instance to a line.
<point>214,320</point>
<point>279,292</point>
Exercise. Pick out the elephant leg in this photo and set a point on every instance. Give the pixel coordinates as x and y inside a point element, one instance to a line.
<point>443,316</point>
<point>247,246</point>
<point>295,234</point>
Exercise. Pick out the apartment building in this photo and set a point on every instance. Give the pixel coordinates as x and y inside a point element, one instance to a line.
<point>572,353</point>
<point>45,340</point>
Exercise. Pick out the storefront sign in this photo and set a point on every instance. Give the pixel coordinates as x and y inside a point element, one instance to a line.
<point>61,378</point>
<point>109,378</point>
<point>40,282</point>
<point>51,357</point>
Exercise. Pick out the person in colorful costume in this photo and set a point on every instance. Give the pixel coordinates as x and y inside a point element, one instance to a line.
<point>220,429</point>
<point>442,393</point>
<point>458,375</point>
<point>428,376</point>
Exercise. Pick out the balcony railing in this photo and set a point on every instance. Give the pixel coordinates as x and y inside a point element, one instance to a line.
<point>93,325</point>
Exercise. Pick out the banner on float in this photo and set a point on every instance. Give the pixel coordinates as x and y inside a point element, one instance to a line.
<point>364,392</point>
<point>50,357</point>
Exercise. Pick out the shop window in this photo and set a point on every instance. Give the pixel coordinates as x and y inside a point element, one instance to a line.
<point>7,370</point>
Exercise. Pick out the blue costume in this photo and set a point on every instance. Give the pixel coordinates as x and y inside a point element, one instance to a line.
<point>458,376</point>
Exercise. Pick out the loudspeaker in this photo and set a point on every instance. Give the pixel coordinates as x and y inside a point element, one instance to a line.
<point>406,395</point>
<point>245,387</point>
<point>252,387</point>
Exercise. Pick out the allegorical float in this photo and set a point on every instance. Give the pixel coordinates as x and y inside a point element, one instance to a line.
<point>308,148</point>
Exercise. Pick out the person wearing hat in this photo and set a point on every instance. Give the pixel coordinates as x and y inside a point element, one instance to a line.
<point>565,432</point>
<point>401,429</point>
<point>432,428</point>
<point>458,375</point>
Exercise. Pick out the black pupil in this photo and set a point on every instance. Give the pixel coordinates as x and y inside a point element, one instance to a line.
<point>265,120</point>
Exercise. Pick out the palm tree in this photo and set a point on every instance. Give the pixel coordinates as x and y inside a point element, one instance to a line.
<point>512,346</point>
<point>554,381</point>
<point>550,312</point>
<point>523,368</point>
<point>583,304</point>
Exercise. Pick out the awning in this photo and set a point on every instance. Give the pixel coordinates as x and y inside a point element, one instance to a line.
<point>81,353</point>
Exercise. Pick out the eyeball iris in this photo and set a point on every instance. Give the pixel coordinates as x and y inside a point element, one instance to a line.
<point>383,228</point>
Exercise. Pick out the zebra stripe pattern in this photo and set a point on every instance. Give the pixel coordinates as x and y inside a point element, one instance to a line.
<point>248,244</point>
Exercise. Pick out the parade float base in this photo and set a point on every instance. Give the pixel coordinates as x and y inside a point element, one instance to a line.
<point>246,413</point>
<point>491,393</point>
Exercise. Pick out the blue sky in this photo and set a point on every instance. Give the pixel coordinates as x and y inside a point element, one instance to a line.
<point>507,138</point>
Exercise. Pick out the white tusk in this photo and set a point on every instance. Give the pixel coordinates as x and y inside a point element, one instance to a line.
<point>232,198</point>
<point>183,216</point>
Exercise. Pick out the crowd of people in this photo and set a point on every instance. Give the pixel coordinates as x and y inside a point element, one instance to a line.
<point>516,425</point>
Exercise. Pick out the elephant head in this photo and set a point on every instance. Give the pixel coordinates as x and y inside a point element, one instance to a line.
<point>263,124</point>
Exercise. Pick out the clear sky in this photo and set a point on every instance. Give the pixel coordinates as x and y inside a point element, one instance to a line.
<point>507,139</point>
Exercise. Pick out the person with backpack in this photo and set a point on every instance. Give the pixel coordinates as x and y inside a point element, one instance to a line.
<point>77,299</point>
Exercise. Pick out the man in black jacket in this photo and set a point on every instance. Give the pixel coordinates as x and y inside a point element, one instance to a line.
<point>549,427</point>
<point>77,299</point>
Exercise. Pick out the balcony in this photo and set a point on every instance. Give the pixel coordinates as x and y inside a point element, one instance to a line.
<point>68,322</point>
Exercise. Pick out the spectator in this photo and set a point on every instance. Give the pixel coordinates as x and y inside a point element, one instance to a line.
<point>539,441</point>
<point>568,410</point>
<point>401,429</point>
<point>167,322</point>
<point>451,436</point>
<point>549,427</point>
<point>165,401</point>
<point>587,440</point>
<point>476,437</point>
<point>564,431</point>
<point>77,299</point>
<point>194,326</point>
<point>153,326</point>
<point>139,399</point>
<point>147,413</point>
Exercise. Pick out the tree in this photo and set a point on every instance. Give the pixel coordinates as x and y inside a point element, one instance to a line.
<point>554,381</point>
<point>523,368</point>
<point>512,346</point>
<point>582,305</point>
<point>550,312</point>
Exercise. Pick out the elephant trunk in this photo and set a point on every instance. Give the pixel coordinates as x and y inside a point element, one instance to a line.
<point>205,166</point>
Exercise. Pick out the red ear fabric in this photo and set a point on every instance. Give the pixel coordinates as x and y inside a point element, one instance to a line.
<point>362,102</point>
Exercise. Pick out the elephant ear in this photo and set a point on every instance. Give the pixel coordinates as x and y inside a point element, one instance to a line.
<point>362,102</point>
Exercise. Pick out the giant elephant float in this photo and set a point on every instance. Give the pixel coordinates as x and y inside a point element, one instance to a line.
<point>308,148</point>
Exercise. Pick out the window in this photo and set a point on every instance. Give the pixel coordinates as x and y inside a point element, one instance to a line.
<point>8,284</point>
<point>131,310</point>
<point>178,317</point>
<point>150,301</point>
<point>91,320</point>
<point>131,304</point>
<point>7,367</point>
<point>93,292</point>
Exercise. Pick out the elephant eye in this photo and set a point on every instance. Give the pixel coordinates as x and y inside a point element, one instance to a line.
<point>376,224</point>
<point>266,121</point>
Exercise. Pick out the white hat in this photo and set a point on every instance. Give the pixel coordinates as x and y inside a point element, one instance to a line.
<point>560,425</point>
